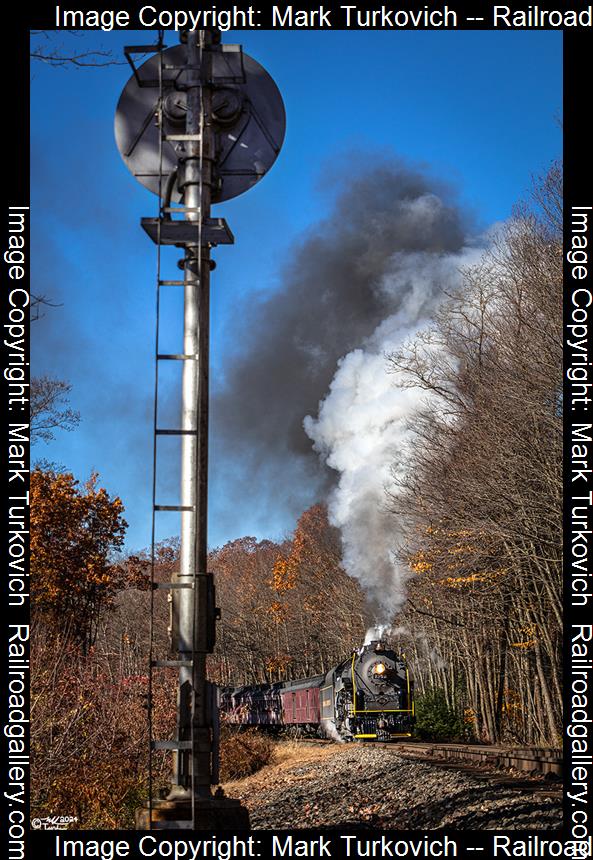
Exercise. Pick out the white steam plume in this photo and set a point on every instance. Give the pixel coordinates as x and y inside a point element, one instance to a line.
<point>331,732</point>
<point>361,429</point>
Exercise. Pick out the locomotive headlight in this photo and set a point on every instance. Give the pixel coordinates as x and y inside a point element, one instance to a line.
<point>380,669</point>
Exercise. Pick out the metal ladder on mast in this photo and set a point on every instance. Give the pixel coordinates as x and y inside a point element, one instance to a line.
<point>165,231</point>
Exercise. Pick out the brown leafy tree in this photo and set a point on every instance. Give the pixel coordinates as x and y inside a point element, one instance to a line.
<point>288,610</point>
<point>74,533</point>
<point>89,728</point>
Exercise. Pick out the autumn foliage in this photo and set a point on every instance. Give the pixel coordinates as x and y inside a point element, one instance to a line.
<point>288,610</point>
<point>89,733</point>
<point>74,533</point>
<point>243,753</point>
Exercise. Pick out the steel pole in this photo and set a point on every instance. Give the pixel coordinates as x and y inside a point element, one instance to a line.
<point>193,768</point>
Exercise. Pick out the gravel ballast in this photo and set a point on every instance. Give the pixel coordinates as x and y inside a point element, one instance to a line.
<point>351,787</point>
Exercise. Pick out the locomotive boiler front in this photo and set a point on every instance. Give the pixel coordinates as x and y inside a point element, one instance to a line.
<point>378,678</point>
<point>378,686</point>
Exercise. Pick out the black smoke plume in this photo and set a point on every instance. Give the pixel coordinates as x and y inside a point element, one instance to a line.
<point>337,287</point>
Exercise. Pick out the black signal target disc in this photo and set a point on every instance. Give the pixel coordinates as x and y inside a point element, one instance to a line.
<point>248,113</point>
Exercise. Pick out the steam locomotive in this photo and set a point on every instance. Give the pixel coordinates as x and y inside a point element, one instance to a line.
<point>369,695</point>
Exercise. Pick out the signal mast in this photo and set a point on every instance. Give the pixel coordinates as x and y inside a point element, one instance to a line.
<point>197,124</point>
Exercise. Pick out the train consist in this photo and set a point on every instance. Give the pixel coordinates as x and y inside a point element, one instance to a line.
<point>370,695</point>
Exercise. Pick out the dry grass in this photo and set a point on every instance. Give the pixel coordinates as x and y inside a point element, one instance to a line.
<point>286,754</point>
<point>243,753</point>
<point>291,752</point>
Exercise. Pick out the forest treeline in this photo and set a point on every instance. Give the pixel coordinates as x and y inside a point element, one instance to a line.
<point>479,504</point>
<point>482,496</point>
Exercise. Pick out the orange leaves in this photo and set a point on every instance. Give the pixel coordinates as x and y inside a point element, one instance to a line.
<point>315,543</point>
<point>282,601</point>
<point>283,575</point>
<point>461,581</point>
<point>278,611</point>
<point>74,532</point>
<point>420,562</point>
<point>454,551</point>
<point>530,633</point>
<point>512,706</point>
<point>278,664</point>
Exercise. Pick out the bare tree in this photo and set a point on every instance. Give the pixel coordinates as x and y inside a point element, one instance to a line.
<point>49,408</point>
<point>482,498</point>
<point>44,49</point>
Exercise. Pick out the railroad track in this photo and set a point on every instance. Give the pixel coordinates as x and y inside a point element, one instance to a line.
<point>480,761</point>
<point>489,764</point>
<point>530,759</point>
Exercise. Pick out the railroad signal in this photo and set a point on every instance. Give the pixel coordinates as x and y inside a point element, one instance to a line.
<point>198,123</point>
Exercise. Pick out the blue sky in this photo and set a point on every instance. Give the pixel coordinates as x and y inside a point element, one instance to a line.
<point>479,110</point>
